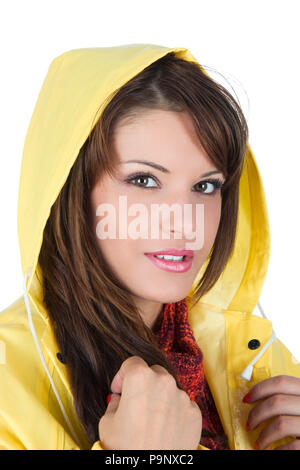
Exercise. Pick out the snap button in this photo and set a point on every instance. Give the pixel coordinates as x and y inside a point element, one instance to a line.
<point>60,358</point>
<point>253,344</point>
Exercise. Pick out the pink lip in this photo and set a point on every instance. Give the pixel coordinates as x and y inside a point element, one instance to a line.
<point>186,253</point>
<point>172,266</point>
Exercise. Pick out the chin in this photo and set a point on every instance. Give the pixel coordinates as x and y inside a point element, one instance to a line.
<point>171,295</point>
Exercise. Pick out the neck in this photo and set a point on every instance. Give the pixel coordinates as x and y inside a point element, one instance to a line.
<point>158,321</point>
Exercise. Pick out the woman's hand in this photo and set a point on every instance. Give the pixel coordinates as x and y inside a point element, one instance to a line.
<point>152,412</point>
<point>281,399</point>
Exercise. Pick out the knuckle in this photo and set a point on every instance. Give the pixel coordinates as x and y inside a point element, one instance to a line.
<point>168,381</point>
<point>183,396</point>
<point>190,409</point>
<point>141,370</point>
<point>136,360</point>
<point>281,380</point>
<point>196,414</point>
<point>277,401</point>
<point>281,424</point>
<point>139,373</point>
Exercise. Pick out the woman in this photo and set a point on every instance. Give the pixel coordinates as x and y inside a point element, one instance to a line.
<point>111,346</point>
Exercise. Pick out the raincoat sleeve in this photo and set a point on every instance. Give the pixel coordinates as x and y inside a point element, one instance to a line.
<point>97,446</point>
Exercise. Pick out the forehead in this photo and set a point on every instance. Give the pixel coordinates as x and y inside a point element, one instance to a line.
<point>163,137</point>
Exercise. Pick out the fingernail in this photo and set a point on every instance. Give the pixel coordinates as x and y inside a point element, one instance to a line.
<point>256,446</point>
<point>247,426</point>
<point>108,398</point>
<point>246,398</point>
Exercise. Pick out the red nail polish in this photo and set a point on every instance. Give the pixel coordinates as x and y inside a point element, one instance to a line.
<point>108,398</point>
<point>246,398</point>
<point>256,446</point>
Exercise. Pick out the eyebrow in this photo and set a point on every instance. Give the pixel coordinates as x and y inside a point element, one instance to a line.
<point>163,169</point>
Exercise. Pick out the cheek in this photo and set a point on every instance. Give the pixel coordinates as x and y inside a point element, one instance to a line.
<point>126,260</point>
<point>118,254</point>
<point>212,216</point>
<point>212,219</point>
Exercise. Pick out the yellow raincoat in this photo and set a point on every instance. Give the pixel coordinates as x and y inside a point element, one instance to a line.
<point>36,402</point>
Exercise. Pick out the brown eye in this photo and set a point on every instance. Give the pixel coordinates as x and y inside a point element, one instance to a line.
<point>209,186</point>
<point>142,181</point>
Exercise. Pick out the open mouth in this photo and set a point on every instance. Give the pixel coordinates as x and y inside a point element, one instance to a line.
<point>171,263</point>
<point>171,258</point>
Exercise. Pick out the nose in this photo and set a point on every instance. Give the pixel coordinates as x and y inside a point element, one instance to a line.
<point>181,221</point>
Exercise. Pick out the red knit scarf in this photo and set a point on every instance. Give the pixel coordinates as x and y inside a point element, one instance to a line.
<point>176,339</point>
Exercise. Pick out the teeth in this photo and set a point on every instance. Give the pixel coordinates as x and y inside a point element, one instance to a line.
<point>170,257</point>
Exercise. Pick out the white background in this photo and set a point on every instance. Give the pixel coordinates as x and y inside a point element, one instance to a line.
<point>254,44</point>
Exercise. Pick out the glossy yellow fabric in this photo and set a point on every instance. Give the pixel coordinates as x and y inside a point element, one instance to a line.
<point>78,85</point>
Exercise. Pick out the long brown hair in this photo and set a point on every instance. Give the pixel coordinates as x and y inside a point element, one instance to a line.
<point>96,323</point>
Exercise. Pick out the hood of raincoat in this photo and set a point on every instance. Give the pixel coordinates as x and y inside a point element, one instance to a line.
<point>75,91</point>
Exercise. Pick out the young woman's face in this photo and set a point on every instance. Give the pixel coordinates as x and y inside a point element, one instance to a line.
<point>167,139</point>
